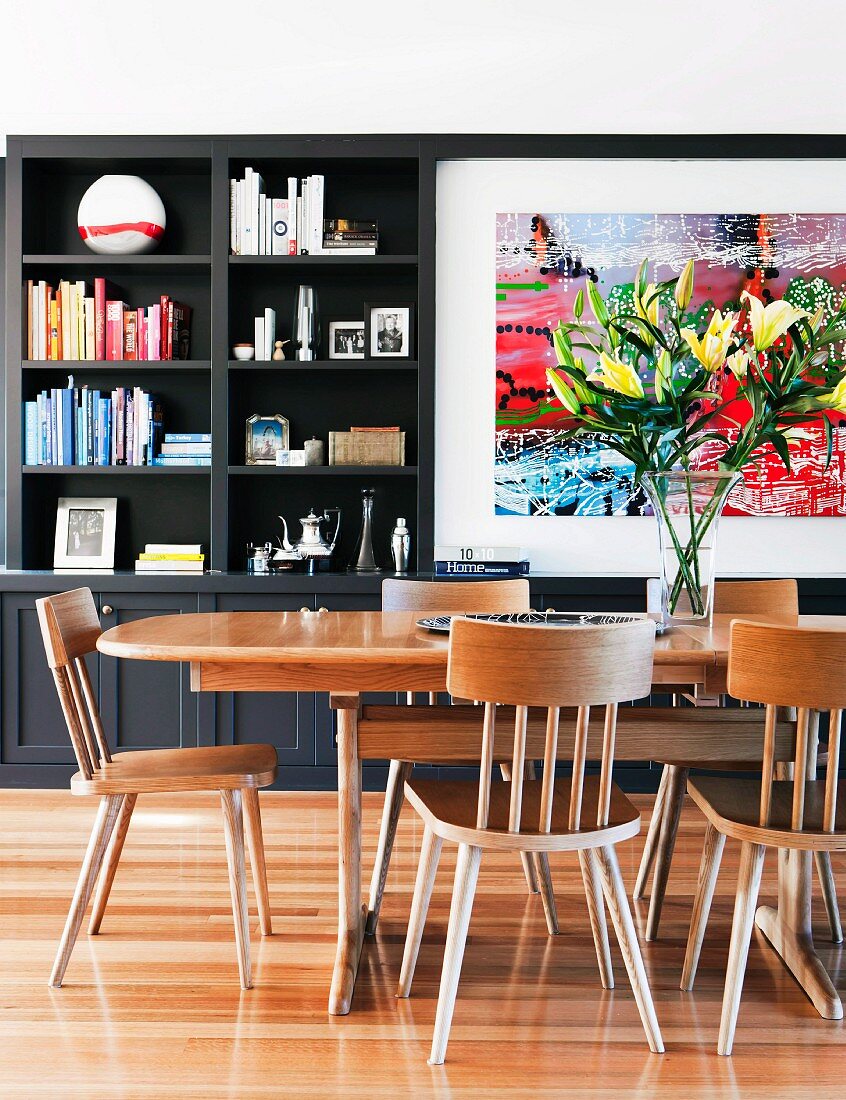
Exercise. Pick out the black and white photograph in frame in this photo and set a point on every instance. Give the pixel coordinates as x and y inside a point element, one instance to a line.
<point>389,330</point>
<point>346,340</point>
<point>265,436</point>
<point>85,533</point>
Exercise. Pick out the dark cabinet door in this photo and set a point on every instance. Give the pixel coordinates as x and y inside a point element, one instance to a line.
<point>282,719</point>
<point>325,718</point>
<point>34,730</point>
<point>146,704</point>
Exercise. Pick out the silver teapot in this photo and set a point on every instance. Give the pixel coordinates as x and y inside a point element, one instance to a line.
<point>312,547</point>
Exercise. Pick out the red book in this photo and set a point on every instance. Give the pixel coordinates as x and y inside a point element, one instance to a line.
<point>169,354</point>
<point>130,335</point>
<point>163,302</point>
<point>140,333</point>
<point>114,330</point>
<point>100,319</point>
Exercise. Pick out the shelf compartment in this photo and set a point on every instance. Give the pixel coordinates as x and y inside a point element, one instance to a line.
<point>324,471</point>
<point>98,470</point>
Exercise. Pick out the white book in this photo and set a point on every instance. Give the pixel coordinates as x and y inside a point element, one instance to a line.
<point>64,288</point>
<point>269,332</point>
<point>268,217</point>
<point>248,216</point>
<point>80,318</point>
<point>239,214</point>
<point>479,553</point>
<point>89,329</point>
<point>34,311</point>
<point>305,231</point>
<point>200,450</point>
<point>168,566</point>
<point>233,224</point>
<point>316,189</point>
<point>173,548</point>
<point>292,215</point>
<point>258,339</point>
<point>260,226</point>
<point>74,323</point>
<point>255,203</point>
<point>40,340</point>
<point>279,232</point>
<point>366,250</point>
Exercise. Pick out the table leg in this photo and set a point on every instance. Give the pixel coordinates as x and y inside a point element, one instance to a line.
<point>352,912</point>
<point>788,927</point>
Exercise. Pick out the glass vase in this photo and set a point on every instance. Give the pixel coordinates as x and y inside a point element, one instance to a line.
<point>687,507</point>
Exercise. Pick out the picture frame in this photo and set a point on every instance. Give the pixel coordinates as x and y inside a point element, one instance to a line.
<point>85,533</point>
<point>347,340</point>
<point>265,436</point>
<point>389,330</point>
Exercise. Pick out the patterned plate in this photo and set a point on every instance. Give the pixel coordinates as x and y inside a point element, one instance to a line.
<point>440,623</point>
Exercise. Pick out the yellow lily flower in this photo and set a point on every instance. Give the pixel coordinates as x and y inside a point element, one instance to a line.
<point>684,287</point>
<point>711,350</point>
<point>837,398</point>
<point>738,363</point>
<point>772,321</point>
<point>616,375</point>
<point>649,312</point>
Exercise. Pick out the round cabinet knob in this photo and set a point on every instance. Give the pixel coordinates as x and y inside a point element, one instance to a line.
<point>305,609</point>
<point>323,609</point>
<point>108,609</point>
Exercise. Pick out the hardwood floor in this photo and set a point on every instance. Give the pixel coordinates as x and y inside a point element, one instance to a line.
<point>151,1008</point>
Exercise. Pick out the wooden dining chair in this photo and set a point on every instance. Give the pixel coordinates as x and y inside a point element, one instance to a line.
<point>512,668</point>
<point>779,601</point>
<point>70,628</point>
<point>779,666</point>
<point>450,598</point>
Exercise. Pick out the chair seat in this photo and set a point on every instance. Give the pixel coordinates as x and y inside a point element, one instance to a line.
<point>733,806</point>
<point>449,808</point>
<point>217,767</point>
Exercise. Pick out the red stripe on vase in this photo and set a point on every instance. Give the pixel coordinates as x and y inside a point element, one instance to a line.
<point>149,229</point>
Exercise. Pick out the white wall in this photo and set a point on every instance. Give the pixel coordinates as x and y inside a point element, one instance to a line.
<point>470,194</point>
<point>335,66</point>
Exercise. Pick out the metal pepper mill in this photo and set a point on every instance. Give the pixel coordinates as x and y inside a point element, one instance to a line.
<point>364,560</point>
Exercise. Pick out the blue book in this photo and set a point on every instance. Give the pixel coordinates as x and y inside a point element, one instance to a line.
<point>42,428</point>
<point>67,428</point>
<point>187,437</point>
<point>31,433</point>
<point>51,434</point>
<point>180,460</point>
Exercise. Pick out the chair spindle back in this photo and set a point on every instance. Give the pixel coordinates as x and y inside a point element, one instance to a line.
<point>783,666</point>
<point>456,597</point>
<point>551,667</point>
<point>70,628</point>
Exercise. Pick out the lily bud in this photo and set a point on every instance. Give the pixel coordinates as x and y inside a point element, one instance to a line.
<point>597,304</point>
<point>563,392</point>
<point>663,374</point>
<point>684,286</point>
<point>579,305</point>
<point>816,319</point>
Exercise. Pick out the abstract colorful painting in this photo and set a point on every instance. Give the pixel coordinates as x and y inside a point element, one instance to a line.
<point>544,259</point>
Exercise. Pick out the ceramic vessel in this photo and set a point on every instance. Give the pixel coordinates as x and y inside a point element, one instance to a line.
<point>121,215</point>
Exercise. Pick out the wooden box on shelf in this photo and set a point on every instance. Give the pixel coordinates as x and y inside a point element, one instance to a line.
<point>367,448</point>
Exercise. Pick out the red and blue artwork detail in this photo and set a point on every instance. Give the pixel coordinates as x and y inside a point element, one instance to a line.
<point>543,260</point>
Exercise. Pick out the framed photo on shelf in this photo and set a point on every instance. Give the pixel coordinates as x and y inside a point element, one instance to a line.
<point>85,533</point>
<point>346,340</point>
<point>265,436</point>
<point>389,330</point>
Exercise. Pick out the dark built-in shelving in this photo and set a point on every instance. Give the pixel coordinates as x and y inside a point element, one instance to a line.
<point>228,504</point>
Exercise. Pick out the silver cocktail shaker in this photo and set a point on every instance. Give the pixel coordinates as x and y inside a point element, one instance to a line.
<point>401,545</point>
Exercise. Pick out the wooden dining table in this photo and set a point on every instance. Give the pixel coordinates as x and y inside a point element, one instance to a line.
<point>349,653</point>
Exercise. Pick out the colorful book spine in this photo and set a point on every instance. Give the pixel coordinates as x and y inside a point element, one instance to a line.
<point>100,319</point>
<point>32,434</point>
<point>481,569</point>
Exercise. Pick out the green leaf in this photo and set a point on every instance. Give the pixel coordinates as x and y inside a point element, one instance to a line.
<point>641,280</point>
<point>829,441</point>
<point>597,304</point>
<point>782,450</point>
<point>563,392</point>
<point>563,347</point>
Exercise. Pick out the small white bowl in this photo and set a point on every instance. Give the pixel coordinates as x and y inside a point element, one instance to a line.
<point>243,351</point>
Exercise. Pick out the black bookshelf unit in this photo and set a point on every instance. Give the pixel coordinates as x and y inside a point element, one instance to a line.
<point>229,504</point>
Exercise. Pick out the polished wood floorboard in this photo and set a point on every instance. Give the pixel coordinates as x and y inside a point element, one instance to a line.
<point>151,1008</point>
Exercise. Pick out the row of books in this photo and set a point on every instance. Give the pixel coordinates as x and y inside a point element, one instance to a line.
<point>481,561</point>
<point>79,426</point>
<point>72,323</point>
<point>293,225</point>
<point>167,557</point>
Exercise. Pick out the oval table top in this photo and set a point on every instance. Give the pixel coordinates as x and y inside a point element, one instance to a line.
<point>329,637</point>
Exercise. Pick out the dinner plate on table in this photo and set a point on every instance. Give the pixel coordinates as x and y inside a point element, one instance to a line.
<point>440,624</point>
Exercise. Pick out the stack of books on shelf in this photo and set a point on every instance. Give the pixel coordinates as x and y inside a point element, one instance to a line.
<point>348,237</point>
<point>171,557</point>
<point>293,225</point>
<point>72,323</point>
<point>265,335</point>
<point>185,449</point>
<point>481,561</point>
<point>78,426</point>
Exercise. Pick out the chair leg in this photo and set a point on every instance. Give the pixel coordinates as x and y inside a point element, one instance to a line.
<point>592,878</point>
<point>427,868</point>
<point>104,823</point>
<point>649,848</point>
<point>110,864</point>
<point>547,891</point>
<point>233,829</point>
<point>829,893</point>
<point>529,869</point>
<point>673,802</point>
<point>748,884</point>
<point>255,843</point>
<point>709,869</point>
<point>400,771</point>
<point>466,877</point>
<point>618,907</point>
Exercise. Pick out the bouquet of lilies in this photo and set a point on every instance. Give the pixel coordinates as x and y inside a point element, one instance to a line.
<point>654,389</point>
